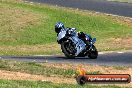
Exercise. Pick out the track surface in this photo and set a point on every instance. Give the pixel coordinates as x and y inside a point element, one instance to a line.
<point>110,59</point>
<point>122,9</point>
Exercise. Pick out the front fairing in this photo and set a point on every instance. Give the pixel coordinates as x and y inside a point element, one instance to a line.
<point>61,34</point>
<point>88,37</point>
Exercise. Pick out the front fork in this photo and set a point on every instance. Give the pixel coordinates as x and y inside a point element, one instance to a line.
<point>92,43</point>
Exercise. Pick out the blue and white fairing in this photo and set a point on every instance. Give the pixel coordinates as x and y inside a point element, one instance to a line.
<point>89,38</point>
<point>79,44</point>
<point>61,34</point>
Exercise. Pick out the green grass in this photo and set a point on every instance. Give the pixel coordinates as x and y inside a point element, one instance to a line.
<point>30,25</point>
<point>35,68</point>
<point>40,84</point>
<point>39,68</point>
<point>129,1</point>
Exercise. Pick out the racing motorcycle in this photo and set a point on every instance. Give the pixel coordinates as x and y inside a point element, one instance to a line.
<point>73,45</point>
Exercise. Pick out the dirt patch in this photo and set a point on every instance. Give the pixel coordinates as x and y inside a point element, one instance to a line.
<point>123,20</point>
<point>24,76</point>
<point>121,41</point>
<point>119,44</point>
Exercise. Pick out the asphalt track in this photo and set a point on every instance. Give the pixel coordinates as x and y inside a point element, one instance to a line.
<point>109,59</point>
<point>116,8</point>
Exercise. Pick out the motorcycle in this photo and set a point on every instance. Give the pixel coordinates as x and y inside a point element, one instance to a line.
<point>72,46</point>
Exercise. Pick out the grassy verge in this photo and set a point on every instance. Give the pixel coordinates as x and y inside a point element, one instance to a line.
<point>40,84</point>
<point>41,68</point>
<point>129,1</point>
<point>17,70</point>
<point>28,29</point>
<point>35,68</point>
<point>50,69</point>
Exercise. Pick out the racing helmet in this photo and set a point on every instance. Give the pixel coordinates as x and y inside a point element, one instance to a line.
<point>58,27</point>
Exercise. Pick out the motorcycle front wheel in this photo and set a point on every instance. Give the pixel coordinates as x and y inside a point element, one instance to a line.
<point>68,49</point>
<point>93,53</point>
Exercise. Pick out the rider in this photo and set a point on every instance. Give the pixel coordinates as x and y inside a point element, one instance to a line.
<point>59,26</point>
